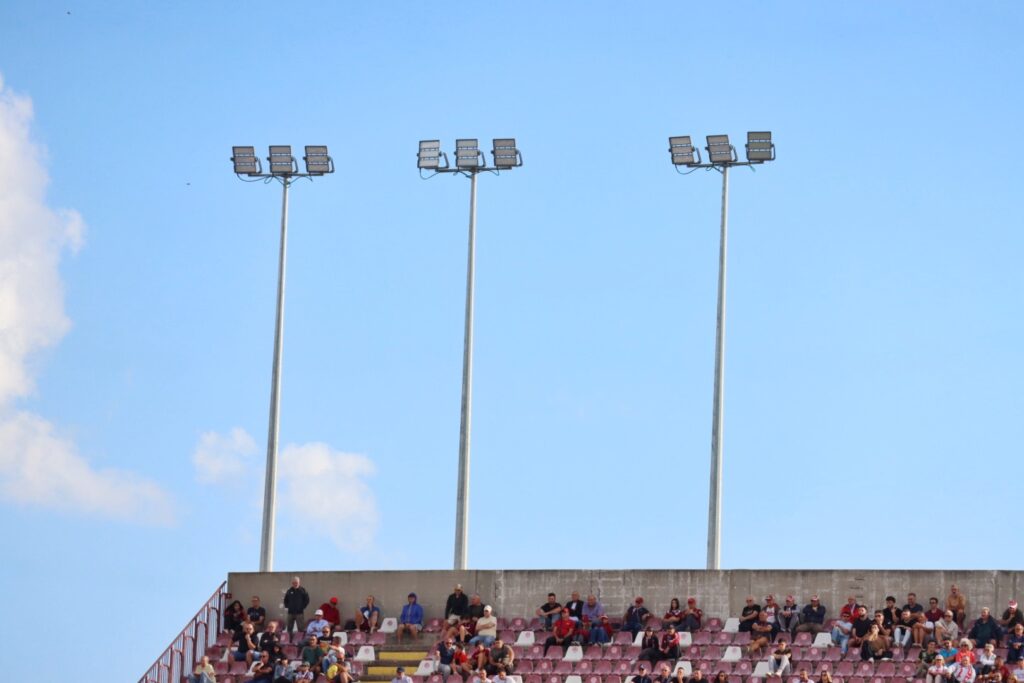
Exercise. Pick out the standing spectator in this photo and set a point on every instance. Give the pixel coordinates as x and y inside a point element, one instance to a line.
<point>549,611</point>
<point>778,663</point>
<point>1011,617</point>
<point>203,673</point>
<point>487,628</point>
<point>316,626</point>
<point>749,615</point>
<point>956,602</point>
<point>400,676</point>
<point>1015,645</point>
<point>561,633</point>
<point>368,616</point>
<point>593,610</point>
<point>411,619</point>
<point>575,606</point>
<point>692,616</point>
<point>984,629</point>
<point>456,606</point>
<point>812,617</point>
<point>296,599</point>
<point>946,627</point>
<point>257,614</point>
<point>636,617</point>
<point>789,615</point>
<point>331,613</point>
<point>760,634</point>
<point>674,615</point>
<point>937,671</point>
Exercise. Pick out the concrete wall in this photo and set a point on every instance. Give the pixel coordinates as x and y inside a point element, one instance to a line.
<point>520,592</point>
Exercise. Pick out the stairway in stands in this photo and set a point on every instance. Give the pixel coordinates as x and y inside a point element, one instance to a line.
<point>407,654</point>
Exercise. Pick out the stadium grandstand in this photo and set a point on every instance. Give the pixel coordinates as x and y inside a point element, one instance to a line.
<point>604,626</point>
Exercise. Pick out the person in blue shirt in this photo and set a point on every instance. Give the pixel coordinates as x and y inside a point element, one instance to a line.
<point>411,620</point>
<point>368,616</point>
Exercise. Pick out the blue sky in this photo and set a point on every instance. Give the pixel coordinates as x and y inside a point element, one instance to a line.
<point>874,323</point>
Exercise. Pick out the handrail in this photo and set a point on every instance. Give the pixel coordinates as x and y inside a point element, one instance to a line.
<point>180,657</point>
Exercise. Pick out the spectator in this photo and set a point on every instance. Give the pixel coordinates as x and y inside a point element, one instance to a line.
<point>861,626</point>
<point>311,654</point>
<point>444,654</point>
<point>257,614</point>
<point>1015,645</point>
<point>339,673</point>
<point>697,676</point>
<point>502,677</point>
<point>663,675</point>
<point>679,676</point>
<point>789,615</point>
<point>841,631</point>
<point>670,645</point>
<point>901,633</point>
<point>600,631</point>
<point>500,658</point>
<point>636,617</point>
<point>368,616</point>
<point>296,599</point>
<point>335,653</point>
<point>812,617</point>
<point>262,670</point>
<point>692,616</point>
<point>478,657</point>
<point>1018,671</point>
<point>926,659</point>
<point>891,613</point>
<point>778,663</point>
<point>966,650</point>
<point>246,645</point>
<point>984,629</point>
<point>203,673</point>
<point>771,608</point>
<point>234,617</point>
<point>461,662</point>
<point>641,676</point>
<point>649,646</point>
<point>575,606</point>
<point>880,622</point>
<point>456,606</point>
<point>674,615</point>
<point>331,613</point>
<point>932,615</point>
<point>549,611</point>
<point>269,638</point>
<point>411,619</point>
<point>486,629</point>
<point>1011,617</point>
<point>592,609</point>
<point>875,646</point>
<point>760,634</point>
<point>720,677</point>
<point>401,676</point>
<point>946,627</point>
<point>986,660</point>
<point>304,673</point>
<point>283,672</point>
<point>937,671</point>
<point>476,608</point>
<point>962,671</point>
<point>804,677</point>
<point>850,609</point>
<point>317,624</point>
<point>825,677</point>
<point>956,602</point>
<point>561,633</point>
<point>749,615</point>
<point>949,651</point>
<point>913,605</point>
<point>480,676</point>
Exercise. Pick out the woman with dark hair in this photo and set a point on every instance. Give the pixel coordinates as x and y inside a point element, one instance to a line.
<point>674,615</point>
<point>234,617</point>
<point>721,677</point>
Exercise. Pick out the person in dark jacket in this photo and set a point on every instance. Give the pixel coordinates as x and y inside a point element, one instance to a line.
<point>296,599</point>
<point>985,629</point>
<point>457,605</point>
<point>812,617</point>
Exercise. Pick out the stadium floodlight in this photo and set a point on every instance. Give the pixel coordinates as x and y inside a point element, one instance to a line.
<point>318,161</point>
<point>760,147</point>
<point>682,150</point>
<point>430,154</point>
<point>467,154</point>
<point>719,150</point>
<point>281,160</point>
<point>505,153</point>
<point>245,160</point>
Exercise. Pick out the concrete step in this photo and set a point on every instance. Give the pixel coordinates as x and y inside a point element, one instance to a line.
<point>392,655</point>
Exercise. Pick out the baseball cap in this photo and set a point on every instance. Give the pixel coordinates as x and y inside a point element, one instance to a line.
<point>691,600</point>
<point>334,600</point>
<point>814,598</point>
<point>639,601</point>
<point>1013,603</point>
<point>319,613</point>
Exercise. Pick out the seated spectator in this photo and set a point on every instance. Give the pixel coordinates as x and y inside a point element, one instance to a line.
<point>593,609</point>
<point>948,651</point>
<point>636,617</point>
<point>246,645</point>
<point>500,658</point>
<point>812,617</point>
<point>966,650</point>
<point>679,676</point>
<point>903,629</point>
<point>311,654</point>
<point>462,664</point>
<point>331,614</point>
<point>880,622</point>
<point>487,628</point>
<point>778,662</point>
<point>575,606</point>
<point>456,606</point>
<point>913,605</point>
<point>692,616</point>
<point>317,624</point>
<point>203,673</point>
<point>937,671</point>
<point>234,617</point>
<point>561,633</point>
<point>476,608</point>
<point>1015,645</point>
<point>411,619</point>
<point>257,614</point>
<point>671,644</point>
<point>850,609</point>
<point>338,673</point>
<point>825,677</point>
<point>368,616</point>
<point>720,677</point>
<point>443,654</point>
<point>985,629</point>
<point>283,672</point>
<point>749,614</point>
<point>760,634</point>
<point>962,671</point>
<point>304,673</point>
<point>663,675</point>
<point>480,676</point>
<point>789,615</point>
<point>1011,617</point>
<point>642,676</point>
<point>335,653</point>
<point>649,646</point>
<point>674,615</point>
<point>401,676</point>
<point>269,638</point>
<point>861,626</point>
<point>478,657</point>
<point>502,677</point>
<point>956,603</point>
<point>874,646</point>
<point>549,611</point>
<point>262,670</point>
<point>841,631</point>
<point>891,613</point>
<point>926,658</point>
<point>771,608</point>
<point>946,628</point>
<point>804,676</point>
<point>1018,671</point>
<point>932,616</point>
<point>697,676</point>
<point>987,659</point>
<point>601,631</point>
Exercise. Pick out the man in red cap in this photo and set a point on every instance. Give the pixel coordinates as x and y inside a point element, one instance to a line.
<point>330,610</point>
<point>1011,617</point>
<point>635,617</point>
<point>692,616</point>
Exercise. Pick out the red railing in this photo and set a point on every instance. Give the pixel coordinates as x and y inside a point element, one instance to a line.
<point>179,659</point>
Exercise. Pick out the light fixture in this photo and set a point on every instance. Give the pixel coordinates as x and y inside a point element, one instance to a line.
<point>760,147</point>
<point>429,155</point>
<point>467,153</point>
<point>281,160</point>
<point>719,149</point>
<point>318,161</point>
<point>682,150</point>
<point>505,153</point>
<point>245,161</point>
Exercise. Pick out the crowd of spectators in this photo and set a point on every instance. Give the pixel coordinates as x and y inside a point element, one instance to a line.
<point>951,650</point>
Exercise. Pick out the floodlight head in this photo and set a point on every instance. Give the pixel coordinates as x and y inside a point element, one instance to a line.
<point>467,154</point>
<point>281,160</point>
<point>318,161</point>
<point>505,153</point>
<point>430,154</point>
<point>719,150</point>
<point>760,147</point>
<point>683,152</point>
<point>245,161</point>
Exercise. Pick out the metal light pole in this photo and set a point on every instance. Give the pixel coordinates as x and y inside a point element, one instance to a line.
<point>284,169</point>
<point>721,156</point>
<point>469,162</point>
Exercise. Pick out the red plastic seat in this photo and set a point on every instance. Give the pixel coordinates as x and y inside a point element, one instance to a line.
<point>584,667</point>
<point>518,624</point>
<point>622,668</point>
<point>603,667</point>
<point>693,652</point>
<point>524,666</point>
<point>866,669</point>
<point>833,654</point>
<point>239,668</point>
<point>612,652</point>
<point>823,667</point>
<point>743,667</point>
<point>564,668</point>
<point>713,624</point>
<point>701,638</point>
<point>857,679</point>
<point>722,638</point>
<point>886,669</point>
<point>907,669</point>
<point>844,669</point>
<point>543,666</point>
<point>803,639</point>
<point>623,638</point>
<point>533,678</point>
<point>508,636</point>
<point>741,638</point>
<point>592,678</point>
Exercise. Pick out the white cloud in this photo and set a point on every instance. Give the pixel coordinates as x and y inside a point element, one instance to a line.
<point>221,458</point>
<point>36,466</point>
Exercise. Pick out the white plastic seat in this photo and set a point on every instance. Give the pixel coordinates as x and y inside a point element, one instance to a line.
<point>760,670</point>
<point>685,666</point>
<point>639,639</point>
<point>573,654</point>
<point>525,638</point>
<point>685,640</point>
<point>733,653</point>
<point>342,635</point>
<point>365,654</point>
<point>573,678</point>
<point>822,640</point>
<point>426,667</point>
<point>732,625</point>
<point>389,625</point>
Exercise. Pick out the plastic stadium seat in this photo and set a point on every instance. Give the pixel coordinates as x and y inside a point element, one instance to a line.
<point>692,652</point>
<point>822,640</point>
<point>685,666</point>
<point>715,652</point>
<point>844,669</point>
<point>573,679</point>
<point>631,651</point>
<point>852,655</point>
<point>654,622</point>
<point>224,638</point>
<point>760,670</point>
<point>833,654</point>
<point>543,666</point>
<point>685,638</point>
<point>552,678</point>
<point>623,638</point>
<point>886,669</point>
<point>613,679</point>
<point>357,638</point>
<point>574,653</point>
<point>878,679</point>
<point>508,636</point>
<point>533,678</point>
<point>593,653</point>
<point>378,638</point>
<point>741,638</point>
<point>857,679</point>
<point>518,624</point>
<point>733,678</point>
<point>389,625</point>
<point>714,667</point>
<point>592,678</point>
<point>537,651</point>
<point>535,624</point>
<point>220,668</point>
<point>803,638</point>
<point>584,667</point>
<point>732,654</point>
<point>866,669</point>
<point>562,668</point>
<point>907,669</point>
<point>702,638</point>
<point>732,625</point>
<point>621,667</point>
<point>723,638</point>
<point>603,667</point>
<point>638,638</point>
<point>238,668</point>
<point>613,652</point>
<point>426,668</point>
<point>525,639</point>
<point>366,654</point>
<point>743,667</point>
<point>813,654</point>
<point>502,623</point>
<point>714,624</point>
<point>822,667</point>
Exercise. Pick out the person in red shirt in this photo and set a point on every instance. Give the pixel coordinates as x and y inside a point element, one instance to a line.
<point>692,616</point>
<point>331,615</point>
<point>561,632</point>
<point>670,644</point>
<point>849,609</point>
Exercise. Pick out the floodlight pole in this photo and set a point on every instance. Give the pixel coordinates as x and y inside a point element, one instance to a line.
<point>718,408</point>
<point>466,413</point>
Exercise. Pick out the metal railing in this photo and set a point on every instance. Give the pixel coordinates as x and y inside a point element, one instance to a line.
<point>179,659</point>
